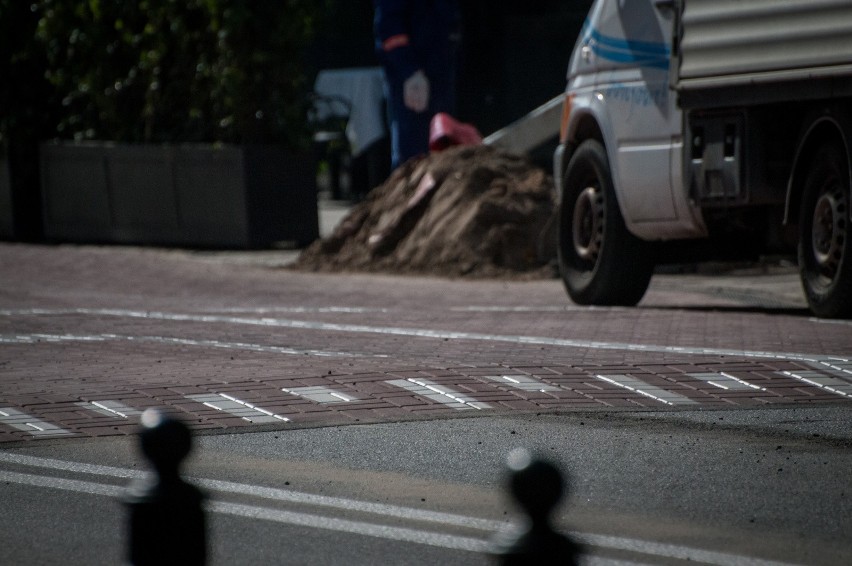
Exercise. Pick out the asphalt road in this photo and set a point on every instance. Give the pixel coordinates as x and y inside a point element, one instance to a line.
<point>364,419</point>
<point>646,488</point>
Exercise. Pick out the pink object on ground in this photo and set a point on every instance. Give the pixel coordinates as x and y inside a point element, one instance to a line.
<point>445,131</point>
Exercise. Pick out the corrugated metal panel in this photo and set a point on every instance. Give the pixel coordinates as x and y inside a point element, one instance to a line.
<point>761,40</point>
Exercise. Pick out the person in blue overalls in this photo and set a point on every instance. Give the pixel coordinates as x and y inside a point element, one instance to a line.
<point>416,41</point>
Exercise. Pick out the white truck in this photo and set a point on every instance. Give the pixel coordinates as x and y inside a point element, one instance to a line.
<point>698,129</point>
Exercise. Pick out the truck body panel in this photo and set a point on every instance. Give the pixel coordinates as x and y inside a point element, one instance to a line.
<point>728,121</point>
<point>624,84</point>
<point>735,42</point>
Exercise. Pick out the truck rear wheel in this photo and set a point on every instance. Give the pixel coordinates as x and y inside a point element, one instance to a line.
<point>825,265</point>
<point>600,261</point>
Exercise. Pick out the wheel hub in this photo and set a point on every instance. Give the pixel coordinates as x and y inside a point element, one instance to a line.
<point>587,227</point>
<point>829,231</point>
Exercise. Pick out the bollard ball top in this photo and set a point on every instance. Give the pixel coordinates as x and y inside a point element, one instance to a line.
<point>165,440</point>
<point>536,484</point>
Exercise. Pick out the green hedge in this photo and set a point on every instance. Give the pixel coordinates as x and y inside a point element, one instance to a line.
<point>178,70</point>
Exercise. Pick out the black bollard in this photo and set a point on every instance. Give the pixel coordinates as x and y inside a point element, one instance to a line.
<point>537,486</point>
<point>166,520</point>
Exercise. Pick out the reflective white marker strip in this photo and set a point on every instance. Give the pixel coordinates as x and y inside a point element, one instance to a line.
<point>439,393</point>
<point>601,541</point>
<point>236,407</point>
<point>36,338</point>
<point>726,381</point>
<point>835,366</point>
<point>652,391</point>
<point>36,427</point>
<point>320,394</point>
<point>523,382</point>
<point>111,408</point>
<point>819,379</point>
<point>426,333</point>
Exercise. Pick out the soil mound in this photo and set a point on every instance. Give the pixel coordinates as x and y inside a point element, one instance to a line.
<point>470,211</point>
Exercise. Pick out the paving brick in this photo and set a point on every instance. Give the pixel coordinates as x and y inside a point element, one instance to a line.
<point>48,377</point>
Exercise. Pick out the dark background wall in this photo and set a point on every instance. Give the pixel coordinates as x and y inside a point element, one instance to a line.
<point>514,52</point>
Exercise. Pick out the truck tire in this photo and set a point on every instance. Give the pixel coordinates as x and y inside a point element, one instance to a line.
<point>825,265</point>
<point>600,261</point>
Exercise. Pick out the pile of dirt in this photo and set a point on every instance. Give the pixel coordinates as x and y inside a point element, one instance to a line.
<point>470,211</point>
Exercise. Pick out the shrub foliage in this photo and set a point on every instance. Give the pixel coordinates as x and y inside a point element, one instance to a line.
<point>178,70</point>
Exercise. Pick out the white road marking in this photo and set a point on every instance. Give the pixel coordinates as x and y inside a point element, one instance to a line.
<point>828,321</point>
<point>652,391</point>
<point>686,553</point>
<point>427,333</point>
<point>64,484</point>
<point>64,465</point>
<point>523,382</point>
<point>320,394</point>
<point>440,393</point>
<point>236,407</point>
<point>340,310</point>
<point>553,308</point>
<point>36,338</point>
<point>264,513</point>
<point>110,408</point>
<point>818,379</point>
<point>650,548</point>
<point>726,381</point>
<point>271,493</point>
<point>37,427</point>
<point>403,534</point>
<point>837,367</point>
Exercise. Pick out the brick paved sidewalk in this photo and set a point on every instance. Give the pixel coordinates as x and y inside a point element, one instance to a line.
<point>91,336</point>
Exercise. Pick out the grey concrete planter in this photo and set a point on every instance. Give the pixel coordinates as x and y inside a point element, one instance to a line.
<point>7,221</point>
<point>194,196</point>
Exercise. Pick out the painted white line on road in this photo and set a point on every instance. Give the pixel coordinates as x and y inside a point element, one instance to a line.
<point>695,555</point>
<point>110,408</point>
<point>427,333</point>
<point>402,534</point>
<point>264,513</point>
<point>253,347</point>
<point>440,393</point>
<point>237,407</point>
<point>650,548</point>
<point>66,466</point>
<point>818,379</point>
<point>523,382</point>
<point>829,321</point>
<point>320,394</point>
<point>837,367</point>
<point>726,381</point>
<point>270,493</point>
<point>37,338</point>
<point>652,391</point>
<point>27,423</point>
<point>64,484</point>
<point>555,308</point>
<point>301,310</point>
